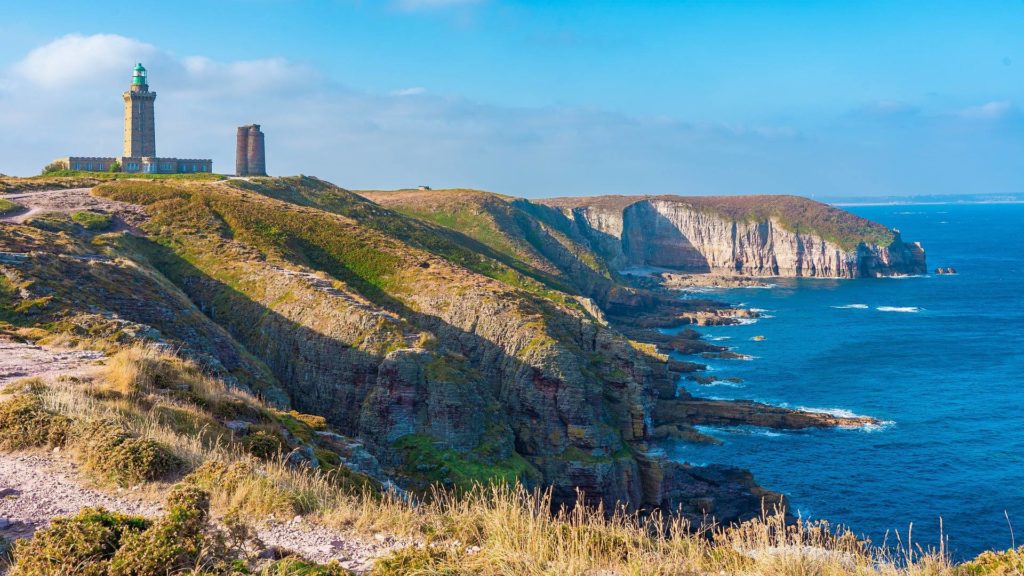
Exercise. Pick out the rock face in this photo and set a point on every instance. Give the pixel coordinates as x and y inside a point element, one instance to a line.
<point>696,235</point>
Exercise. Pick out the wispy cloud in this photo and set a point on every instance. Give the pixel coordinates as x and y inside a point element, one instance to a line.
<point>887,109</point>
<point>413,5</point>
<point>996,110</point>
<point>414,91</point>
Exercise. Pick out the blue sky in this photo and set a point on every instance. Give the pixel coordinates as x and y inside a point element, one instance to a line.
<point>823,99</point>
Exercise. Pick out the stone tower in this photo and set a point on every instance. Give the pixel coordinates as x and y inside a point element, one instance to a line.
<point>250,156</point>
<point>139,124</point>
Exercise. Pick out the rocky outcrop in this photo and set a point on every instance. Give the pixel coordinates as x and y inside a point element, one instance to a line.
<point>696,235</point>
<point>697,411</point>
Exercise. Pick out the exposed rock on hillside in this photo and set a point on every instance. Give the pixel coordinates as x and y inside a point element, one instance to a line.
<point>751,235</point>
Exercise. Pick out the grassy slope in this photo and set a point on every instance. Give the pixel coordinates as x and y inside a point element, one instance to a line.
<point>369,251</point>
<point>486,254</point>
<point>794,213</point>
<point>79,179</point>
<point>522,240</point>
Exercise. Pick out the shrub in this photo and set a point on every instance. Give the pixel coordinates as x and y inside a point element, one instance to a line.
<point>427,560</point>
<point>95,221</point>
<point>297,567</point>
<point>141,369</point>
<point>1008,563</point>
<point>242,488</point>
<point>24,423</point>
<point>53,168</point>
<point>114,454</point>
<point>82,544</point>
<point>174,543</point>
<point>263,444</point>
<point>52,222</point>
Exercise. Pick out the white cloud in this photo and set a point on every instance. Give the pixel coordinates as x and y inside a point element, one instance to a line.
<point>74,59</point>
<point>996,110</point>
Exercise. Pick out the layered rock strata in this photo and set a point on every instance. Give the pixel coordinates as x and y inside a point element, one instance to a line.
<point>697,235</point>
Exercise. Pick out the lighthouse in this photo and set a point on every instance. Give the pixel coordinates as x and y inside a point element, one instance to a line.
<point>139,152</point>
<point>139,120</point>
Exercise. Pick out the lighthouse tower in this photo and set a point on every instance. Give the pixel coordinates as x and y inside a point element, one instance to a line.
<point>139,127</point>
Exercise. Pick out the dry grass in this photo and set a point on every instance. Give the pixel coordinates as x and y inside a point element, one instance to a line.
<point>490,530</point>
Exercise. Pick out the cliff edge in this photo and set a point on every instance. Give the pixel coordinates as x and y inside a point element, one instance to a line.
<point>746,235</point>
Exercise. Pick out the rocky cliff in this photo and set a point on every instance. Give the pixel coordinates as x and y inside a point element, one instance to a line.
<point>752,235</point>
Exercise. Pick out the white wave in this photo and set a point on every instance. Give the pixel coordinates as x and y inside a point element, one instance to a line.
<point>906,309</point>
<point>719,338</point>
<point>725,383</point>
<point>746,321</point>
<point>844,413</point>
<point>759,310</point>
<point>905,276</point>
<point>877,427</point>
<point>837,412</point>
<point>852,306</point>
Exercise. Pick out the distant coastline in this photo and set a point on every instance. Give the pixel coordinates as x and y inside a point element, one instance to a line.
<point>928,200</point>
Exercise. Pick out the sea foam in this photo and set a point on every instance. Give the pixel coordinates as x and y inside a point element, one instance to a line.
<point>852,306</point>
<point>906,309</point>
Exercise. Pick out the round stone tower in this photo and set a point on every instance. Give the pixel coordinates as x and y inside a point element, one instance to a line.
<point>250,156</point>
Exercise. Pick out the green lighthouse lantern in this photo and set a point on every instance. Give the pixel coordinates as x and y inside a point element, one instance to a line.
<point>139,76</point>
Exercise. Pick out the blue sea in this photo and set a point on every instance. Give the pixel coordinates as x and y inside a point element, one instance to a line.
<point>939,358</point>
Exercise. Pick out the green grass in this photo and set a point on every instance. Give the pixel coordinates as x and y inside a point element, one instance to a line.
<point>7,207</point>
<point>424,459</point>
<point>200,176</point>
<point>94,221</point>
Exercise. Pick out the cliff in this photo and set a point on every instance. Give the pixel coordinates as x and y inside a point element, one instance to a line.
<point>746,235</point>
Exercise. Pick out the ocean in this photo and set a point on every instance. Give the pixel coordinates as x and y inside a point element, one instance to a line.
<point>939,358</point>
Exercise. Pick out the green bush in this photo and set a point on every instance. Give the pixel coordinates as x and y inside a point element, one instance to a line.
<point>24,423</point>
<point>54,167</point>
<point>82,544</point>
<point>263,444</point>
<point>95,221</point>
<point>173,544</point>
<point>989,563</point>
<point>52,222</point>
<point>114,454</point>
<point>427,560</point>
<point>297,567</point>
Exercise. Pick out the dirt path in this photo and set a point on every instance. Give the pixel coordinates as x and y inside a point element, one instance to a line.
<point>128,216</point>
<point>37,487</point>
<point>19,360</point>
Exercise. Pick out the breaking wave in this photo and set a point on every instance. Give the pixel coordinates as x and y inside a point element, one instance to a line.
<point>906,309</point>
<point>852,306</point>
